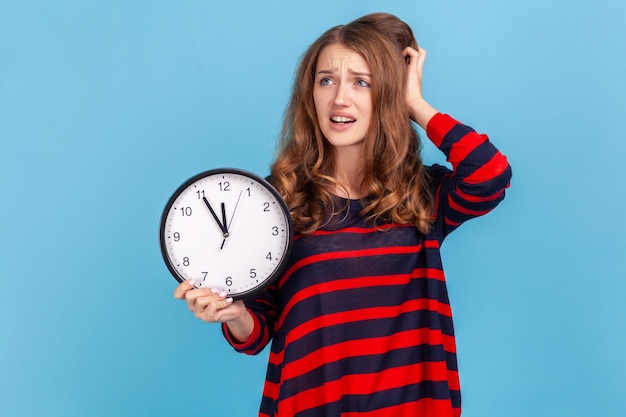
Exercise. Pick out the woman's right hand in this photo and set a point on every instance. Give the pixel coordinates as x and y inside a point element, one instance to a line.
<point>213,306</point>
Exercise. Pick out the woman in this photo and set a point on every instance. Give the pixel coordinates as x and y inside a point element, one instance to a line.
<point>360,323</point>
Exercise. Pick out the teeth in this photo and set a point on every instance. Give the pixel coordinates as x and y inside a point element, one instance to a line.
<point>341,119</point>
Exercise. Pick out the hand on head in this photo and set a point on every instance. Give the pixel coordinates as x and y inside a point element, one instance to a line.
<point>421,112</point>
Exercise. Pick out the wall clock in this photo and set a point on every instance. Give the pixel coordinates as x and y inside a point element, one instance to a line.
<point>228,229</point>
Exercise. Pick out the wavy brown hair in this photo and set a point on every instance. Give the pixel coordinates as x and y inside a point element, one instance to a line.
<point>394,177</point>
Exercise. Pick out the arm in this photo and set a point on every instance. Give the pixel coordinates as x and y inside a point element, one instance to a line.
<point>480,172</point>
<point>262,311</point>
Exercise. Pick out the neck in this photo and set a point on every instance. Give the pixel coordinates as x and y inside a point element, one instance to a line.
<point>348,173</point>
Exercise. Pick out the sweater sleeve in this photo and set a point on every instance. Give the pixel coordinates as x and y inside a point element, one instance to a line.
<point>262,308</point>
<point>480,173</point>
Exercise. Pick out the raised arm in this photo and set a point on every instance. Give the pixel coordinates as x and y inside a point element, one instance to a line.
<point>480,173</point>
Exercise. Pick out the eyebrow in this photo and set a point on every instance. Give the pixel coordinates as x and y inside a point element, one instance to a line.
<point>357,73</point>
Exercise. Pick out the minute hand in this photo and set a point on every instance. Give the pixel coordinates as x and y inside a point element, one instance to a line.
<point>217,220</point>
<point>234,211</point>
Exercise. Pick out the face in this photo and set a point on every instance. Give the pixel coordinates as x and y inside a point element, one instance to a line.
<point>343,96</point>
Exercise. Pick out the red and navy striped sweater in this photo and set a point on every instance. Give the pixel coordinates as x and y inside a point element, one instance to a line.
<point>360,323</point>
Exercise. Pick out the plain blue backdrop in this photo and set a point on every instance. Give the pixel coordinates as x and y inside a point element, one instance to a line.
<point>106,107</point>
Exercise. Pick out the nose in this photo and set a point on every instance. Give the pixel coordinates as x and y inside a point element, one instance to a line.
<point>342,95</point>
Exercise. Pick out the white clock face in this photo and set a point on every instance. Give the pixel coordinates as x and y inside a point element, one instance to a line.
<point>226,229</point>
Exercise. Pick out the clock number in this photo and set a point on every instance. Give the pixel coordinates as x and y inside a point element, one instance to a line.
<point>200,194</point>
<point>224,186</point>
<point>253,273</point>
<point>205,274</point>
<point>185,211</point>
<point>269,256</point>
<point>176,236</point>
<point>186,261</point>
<point>274,231</point>
<point>229,281</point>
<point>266,206</point>
<point>248,190</point>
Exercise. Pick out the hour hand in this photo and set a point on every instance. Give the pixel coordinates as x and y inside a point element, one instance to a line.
<point>217,220</point>
<point>224,218</point>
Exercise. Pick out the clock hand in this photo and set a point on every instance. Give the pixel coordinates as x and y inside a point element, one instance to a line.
<point>225,226</point>
<point>224,217</point>
<point>236,205</point>
<point>221,226</point>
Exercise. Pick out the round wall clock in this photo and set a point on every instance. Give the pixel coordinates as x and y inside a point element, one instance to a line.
<point>228,229</point>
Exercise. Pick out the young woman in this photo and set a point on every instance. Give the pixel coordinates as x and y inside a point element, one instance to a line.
<point>360,323</point>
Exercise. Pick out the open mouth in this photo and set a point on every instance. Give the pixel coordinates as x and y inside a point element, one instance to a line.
<point>341,120</point>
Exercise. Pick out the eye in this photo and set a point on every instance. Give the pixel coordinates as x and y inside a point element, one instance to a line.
<point>326,81</point>
<point>362,83</point>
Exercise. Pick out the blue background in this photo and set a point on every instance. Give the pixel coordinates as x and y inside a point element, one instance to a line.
<point>106,107</point>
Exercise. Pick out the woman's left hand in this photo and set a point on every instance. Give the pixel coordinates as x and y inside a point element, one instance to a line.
<point>420,111</point>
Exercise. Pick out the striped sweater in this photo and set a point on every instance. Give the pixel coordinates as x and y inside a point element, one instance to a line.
<point>360,323</point>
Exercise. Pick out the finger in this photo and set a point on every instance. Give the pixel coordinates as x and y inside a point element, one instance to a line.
<point>197,299</point>
<point>410,53</point>
<point>216,310</point>
<point>226,310</point>
<point>200,299</point>
<point>421,58</point>
<point>182,289</point>
<point>416,56</point>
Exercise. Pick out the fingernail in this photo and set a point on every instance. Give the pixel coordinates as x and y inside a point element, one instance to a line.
<point>215,290</point>
<point>229,300</point>
<point>192,283</point>
<point>222,294</point>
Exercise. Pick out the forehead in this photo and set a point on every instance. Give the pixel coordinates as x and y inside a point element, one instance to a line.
<point>337,56</point>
